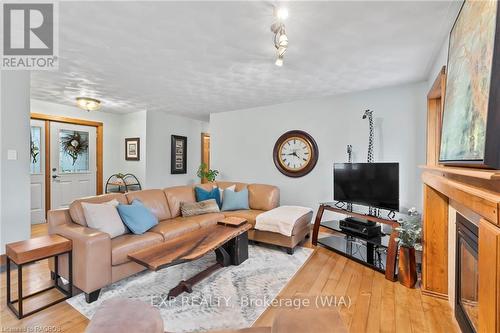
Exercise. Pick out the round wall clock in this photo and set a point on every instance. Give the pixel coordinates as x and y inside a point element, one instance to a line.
<point>295,153</point>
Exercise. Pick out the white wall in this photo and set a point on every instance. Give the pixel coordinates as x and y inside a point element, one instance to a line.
<point>441,57</point>
<point>243,141</point>
<point>14,174</point>
<point>440,61</point>
<point>160,126</point>
<point>116,128</point>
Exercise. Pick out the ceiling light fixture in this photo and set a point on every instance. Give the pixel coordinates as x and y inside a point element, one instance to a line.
<point>88,104</point>
<point>279,61</point>
<point>281,13</point>
<point>280,37</point>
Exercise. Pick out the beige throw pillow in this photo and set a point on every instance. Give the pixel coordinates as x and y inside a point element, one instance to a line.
<point>104,217</point>
<point>199,208</point>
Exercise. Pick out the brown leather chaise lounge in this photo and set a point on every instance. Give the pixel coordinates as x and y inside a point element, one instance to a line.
<point>99,260</point>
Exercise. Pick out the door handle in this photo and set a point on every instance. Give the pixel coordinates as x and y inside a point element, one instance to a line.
<point>55,176</point>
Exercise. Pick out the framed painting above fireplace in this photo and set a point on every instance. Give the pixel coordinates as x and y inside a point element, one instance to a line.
<point>471,120</point>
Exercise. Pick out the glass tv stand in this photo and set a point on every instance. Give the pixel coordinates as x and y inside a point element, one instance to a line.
<point>379,252</point>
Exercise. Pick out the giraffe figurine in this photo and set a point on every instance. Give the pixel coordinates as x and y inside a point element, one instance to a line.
<point>369,114</point>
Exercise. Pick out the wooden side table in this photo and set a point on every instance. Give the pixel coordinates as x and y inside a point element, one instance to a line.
<point>31,250</point>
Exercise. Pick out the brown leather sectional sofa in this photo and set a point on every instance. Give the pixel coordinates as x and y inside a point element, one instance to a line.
<point>99,260</point>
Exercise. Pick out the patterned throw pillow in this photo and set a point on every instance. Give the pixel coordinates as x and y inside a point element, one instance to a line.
<point>198,208</point>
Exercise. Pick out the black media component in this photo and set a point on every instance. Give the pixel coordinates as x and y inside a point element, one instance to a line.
<point>363,228</point>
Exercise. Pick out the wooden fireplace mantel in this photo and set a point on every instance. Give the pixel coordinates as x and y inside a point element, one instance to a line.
<point>468,172</point>
<point>476,191</point>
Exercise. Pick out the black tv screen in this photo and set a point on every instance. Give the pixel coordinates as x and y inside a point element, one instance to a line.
<point>371,184</point>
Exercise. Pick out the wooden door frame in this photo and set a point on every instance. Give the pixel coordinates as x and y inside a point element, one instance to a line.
<point>99,149</point>
<point>203,136</point>
<point>434,277</point>
<point>435,106</point>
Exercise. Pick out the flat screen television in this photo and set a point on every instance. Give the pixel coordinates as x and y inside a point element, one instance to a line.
<point>370,184</point>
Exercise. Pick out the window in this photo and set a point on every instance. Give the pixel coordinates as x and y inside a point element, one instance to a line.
<point>35,150</point>
<point>73,151</point>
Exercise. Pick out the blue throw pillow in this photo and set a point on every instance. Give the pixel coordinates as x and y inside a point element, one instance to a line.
<point>203,195</point>
<point>137,217</point>
<point>235,200</point>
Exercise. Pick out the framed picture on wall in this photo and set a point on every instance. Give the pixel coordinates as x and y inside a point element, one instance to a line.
<point>178,155</point>
<point>133,149</point>
<point>471,118</point>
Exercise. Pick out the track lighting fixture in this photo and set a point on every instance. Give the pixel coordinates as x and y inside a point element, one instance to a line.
<point>280,37</point>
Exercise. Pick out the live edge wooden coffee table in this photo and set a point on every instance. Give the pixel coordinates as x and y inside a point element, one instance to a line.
<point>230,244</point>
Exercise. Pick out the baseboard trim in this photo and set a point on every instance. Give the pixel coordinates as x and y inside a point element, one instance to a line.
<point>435,294</point>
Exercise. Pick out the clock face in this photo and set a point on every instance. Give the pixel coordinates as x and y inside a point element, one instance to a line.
<point>295,153</point>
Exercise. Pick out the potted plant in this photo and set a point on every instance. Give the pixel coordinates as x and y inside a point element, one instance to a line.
<point>205,173</point>
<point>410,231</point>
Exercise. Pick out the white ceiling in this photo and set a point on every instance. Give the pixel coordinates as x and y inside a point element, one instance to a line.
<point>197,58</point>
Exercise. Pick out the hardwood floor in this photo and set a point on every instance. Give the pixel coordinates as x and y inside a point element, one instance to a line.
<point>377,305</point>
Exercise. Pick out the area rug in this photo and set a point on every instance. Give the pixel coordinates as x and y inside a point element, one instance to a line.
<point>232,298</point>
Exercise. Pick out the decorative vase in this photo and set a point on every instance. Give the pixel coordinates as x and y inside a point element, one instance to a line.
<point>407,273</point>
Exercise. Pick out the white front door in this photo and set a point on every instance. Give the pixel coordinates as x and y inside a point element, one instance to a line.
<point>37,171</point>
<point>72,162</point>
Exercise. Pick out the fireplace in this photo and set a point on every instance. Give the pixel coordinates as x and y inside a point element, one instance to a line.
<point>467,275</point>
